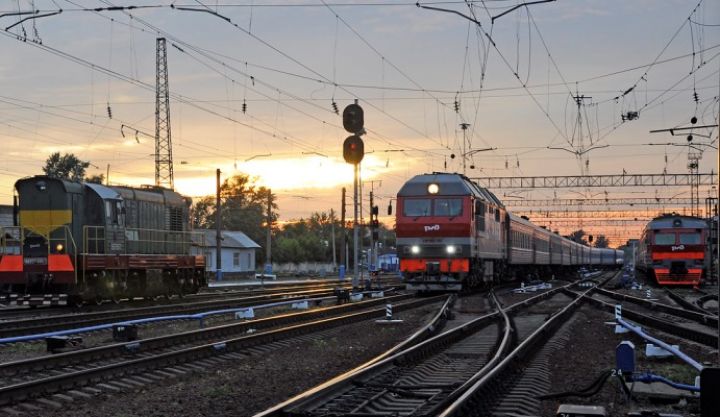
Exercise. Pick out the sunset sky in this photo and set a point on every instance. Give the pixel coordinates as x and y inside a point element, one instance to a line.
<point>288,61</point>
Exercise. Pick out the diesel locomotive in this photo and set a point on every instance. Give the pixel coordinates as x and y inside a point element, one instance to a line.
<point>453,234</point>
<point>91,242</point>
<point>673,250</point>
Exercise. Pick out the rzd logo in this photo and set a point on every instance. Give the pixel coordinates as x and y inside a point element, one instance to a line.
<point>433,228</point>
<point>679,247</point>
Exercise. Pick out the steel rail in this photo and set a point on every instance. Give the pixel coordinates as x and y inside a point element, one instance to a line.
<point>708,339</point>
<point>526,348</point>
<point>31,389</point>
<point>46,324</point>
<point>84,356</point>
<point>702,318</point>
<point>322,392</point>
<point>689,305</point>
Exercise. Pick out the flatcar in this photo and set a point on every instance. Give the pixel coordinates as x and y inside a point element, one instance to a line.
<point>673,249</point>
<point>90,242</point>
<point>452,234</point>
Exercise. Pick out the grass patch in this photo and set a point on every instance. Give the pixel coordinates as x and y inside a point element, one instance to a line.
<point>675,372</point>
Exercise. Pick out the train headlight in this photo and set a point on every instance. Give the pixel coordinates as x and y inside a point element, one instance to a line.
<point>415,249</point>
<point>450,249</point>
<point>433,188</point>
<point>59,248</point>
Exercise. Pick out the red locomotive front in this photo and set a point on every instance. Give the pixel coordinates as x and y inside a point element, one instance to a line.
<point>441,230</point>
<point>673,249</point>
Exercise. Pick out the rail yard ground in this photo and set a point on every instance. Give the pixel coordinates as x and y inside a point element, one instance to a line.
<point>248,381</point>
<point>244,387</point>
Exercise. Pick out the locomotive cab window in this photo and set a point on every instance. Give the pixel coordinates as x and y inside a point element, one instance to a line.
<point>416,207</point>
<point>690,238</point>
<point>665,238</point>
<point>451,207</point>
<point>113,212</point>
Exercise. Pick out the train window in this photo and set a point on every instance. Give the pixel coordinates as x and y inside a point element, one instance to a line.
<point>416,207</point>
<point>690,238</point>
<point>665,238</point>
<point>480,215</point>
<point>497,215</point>
<point>112,212</point>
<point>448,207</point>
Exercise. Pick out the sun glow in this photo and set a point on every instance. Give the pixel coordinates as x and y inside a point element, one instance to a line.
<point>283,174</point>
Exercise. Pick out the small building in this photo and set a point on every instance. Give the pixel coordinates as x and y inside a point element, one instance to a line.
<point>237,254</point>
<point>388,262</point>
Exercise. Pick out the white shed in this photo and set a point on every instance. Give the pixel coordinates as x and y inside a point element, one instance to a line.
<point>238,252</point>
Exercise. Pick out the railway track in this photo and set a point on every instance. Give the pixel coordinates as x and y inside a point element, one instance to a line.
<point>426,378</point>
<point>679,322</point>
<point>11,312</point>
<point>111,368</point>
<point>12,328</point>
<point>699,298</point>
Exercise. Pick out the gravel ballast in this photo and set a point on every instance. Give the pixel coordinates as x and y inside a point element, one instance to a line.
<point>250,385</point>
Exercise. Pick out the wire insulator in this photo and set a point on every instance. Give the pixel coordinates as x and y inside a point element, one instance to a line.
<point>335,107</point>
<point>244,106</point>
<point>109,111</point>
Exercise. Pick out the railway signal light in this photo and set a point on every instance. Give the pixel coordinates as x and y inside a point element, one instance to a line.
<point>353,119</point>
<point>353,149</point>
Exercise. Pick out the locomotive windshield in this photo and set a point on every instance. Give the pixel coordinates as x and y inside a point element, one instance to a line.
<point>665,239</point>
<point>448,207</point>
<point>416,207</point>
<point>690,238</point>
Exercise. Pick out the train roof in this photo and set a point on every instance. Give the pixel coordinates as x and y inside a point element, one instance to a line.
<point>153,194</point>
<point>449,184</point>
<point>674,220</point>
<point>68,186</point>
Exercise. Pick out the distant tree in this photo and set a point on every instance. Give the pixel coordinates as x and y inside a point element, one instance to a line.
<point>202,212</point>
<point>67,166</point>
<point>578,236</point>
<point>96,179</point>
<point>601,241</point>
<point>244,208</point>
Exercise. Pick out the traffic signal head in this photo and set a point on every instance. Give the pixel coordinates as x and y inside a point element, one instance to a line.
<point>353,149</point>
<point>353,118</point>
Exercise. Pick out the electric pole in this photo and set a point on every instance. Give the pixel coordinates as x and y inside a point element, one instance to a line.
<point>163,141</point>
<point>372,230</point>
<point>464,127</point>
<point>268,249</point>
<point>218,230</point>
<point>343,246</point>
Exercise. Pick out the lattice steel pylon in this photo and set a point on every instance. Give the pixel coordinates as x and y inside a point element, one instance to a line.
<point>163,141</point>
